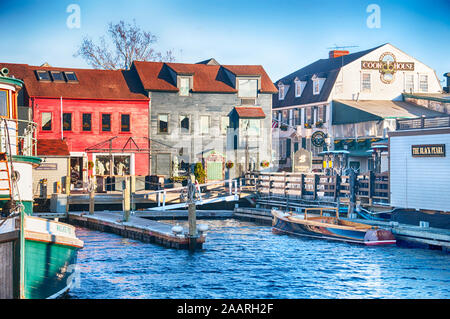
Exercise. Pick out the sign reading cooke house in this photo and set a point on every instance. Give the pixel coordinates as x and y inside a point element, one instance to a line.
<point>428,150</point>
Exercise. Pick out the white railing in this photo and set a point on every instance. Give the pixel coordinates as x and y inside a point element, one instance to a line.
<point>229,193</point>
<point>25,144</point>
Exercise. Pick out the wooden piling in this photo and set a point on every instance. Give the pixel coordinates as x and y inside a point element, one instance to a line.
<point>91,201</point>
<point>126,200</point>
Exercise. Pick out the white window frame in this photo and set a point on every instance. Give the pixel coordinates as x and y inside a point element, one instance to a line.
<point>366,86</point>
<point>420,82</point>
<point>281,91</point>
<point>182,79</point>
<point>299,87</point>
<point>411,77</point>
<point>209,124</point>
<point>255,95</point>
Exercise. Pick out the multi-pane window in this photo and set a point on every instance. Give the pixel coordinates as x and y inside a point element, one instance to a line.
<point>299,87</point>
<point>248,88</point>
<point>321,113</point>
<point>365,82</point>
<point>316,86</point>
<point>254,127</point>
<point>409,83</point>
<point>46,123</point>
<point>163,123</point>
<point>184,86</point>
<point>125,122</point>
<point>224,122</point>
<point>281,91</point>
<point>87,122</point>
<point>106,122</point>
<point>3,103</point>
<point>423,83</point>
<point>67,122</point>
<point>184,124</point>
<point>308,115</point>
<point>204,124</point>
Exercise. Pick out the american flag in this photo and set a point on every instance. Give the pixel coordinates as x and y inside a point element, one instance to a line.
<point>274,123</point>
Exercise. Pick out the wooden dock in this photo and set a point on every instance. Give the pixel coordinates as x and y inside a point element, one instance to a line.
<point>136,228</point>
<point>183,214</point>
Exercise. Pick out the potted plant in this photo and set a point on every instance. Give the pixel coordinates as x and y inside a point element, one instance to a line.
<point>319,124</point>
<point>265,164</point>
<point>307,125</point>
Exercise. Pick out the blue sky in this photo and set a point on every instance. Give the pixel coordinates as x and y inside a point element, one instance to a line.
<point>283,36</point>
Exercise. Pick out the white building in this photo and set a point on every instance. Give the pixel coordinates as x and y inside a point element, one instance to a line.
<point>353,98</point>
<point>420,165</point>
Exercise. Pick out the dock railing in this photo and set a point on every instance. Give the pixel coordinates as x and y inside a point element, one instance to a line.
<point>371,188</point>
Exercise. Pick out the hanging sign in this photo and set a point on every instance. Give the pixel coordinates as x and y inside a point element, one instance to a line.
<point>429,150</point>
<point>318,138</point>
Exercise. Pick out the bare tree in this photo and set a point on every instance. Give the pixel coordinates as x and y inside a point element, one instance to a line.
<point>129,42</point>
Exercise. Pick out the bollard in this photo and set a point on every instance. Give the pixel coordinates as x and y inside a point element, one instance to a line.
<point>192,218</point>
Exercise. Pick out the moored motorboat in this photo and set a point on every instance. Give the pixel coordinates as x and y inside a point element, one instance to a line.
<point>329,227</point>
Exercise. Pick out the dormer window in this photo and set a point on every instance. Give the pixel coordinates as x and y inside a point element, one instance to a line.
<point>43,76</point>
<point>317,84</point>
<point>299,87</point>
<point>281,91</point>
<point>184,85</point>
<point>247,88</point>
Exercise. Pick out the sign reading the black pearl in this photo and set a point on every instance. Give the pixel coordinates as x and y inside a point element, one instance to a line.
<point>318,138</point>
<point>432,150</point>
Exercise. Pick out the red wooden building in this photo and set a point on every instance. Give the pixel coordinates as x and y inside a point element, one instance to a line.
<point>102,115</point>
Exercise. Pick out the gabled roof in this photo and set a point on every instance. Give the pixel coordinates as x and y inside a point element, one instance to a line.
<point>52,147</point>
<point>323,68</point>
<point>159,76</point>
<point>91,84</point>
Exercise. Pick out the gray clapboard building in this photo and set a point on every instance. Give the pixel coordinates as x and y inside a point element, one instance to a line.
<point>209,113</point>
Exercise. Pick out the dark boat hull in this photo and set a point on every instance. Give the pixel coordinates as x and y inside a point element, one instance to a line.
<point>369,237</point>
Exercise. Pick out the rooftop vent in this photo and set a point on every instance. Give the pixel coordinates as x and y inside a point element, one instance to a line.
<point>447,88</point>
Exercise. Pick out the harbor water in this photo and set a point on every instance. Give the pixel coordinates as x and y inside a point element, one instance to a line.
<point>244,260</point>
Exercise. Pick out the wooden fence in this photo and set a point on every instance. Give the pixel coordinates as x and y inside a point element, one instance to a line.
<point>371,188</point>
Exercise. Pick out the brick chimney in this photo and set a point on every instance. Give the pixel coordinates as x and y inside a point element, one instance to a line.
<point>447,88</point>
<point>337,53</point>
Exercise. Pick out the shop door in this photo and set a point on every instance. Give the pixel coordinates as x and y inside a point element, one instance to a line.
<point>76,172</point>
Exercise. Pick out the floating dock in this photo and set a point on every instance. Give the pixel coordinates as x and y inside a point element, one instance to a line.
<point>135,228</point>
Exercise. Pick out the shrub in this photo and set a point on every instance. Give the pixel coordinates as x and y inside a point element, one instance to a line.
<point>199,173</point>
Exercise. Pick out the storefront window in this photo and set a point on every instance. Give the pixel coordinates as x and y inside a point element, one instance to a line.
<point>121,165</point>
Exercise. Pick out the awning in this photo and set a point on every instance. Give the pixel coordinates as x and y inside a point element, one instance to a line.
<point>250,112</point>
